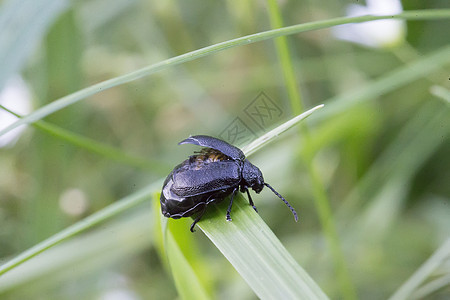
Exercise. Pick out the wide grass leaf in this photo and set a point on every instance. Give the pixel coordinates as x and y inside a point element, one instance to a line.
<point>257,254</point>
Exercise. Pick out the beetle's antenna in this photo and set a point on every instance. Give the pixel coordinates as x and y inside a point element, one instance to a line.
<point>284,200</point>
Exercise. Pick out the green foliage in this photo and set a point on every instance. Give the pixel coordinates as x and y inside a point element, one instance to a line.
<point>368,172</point>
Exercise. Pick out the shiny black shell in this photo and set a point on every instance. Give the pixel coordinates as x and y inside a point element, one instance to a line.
<point>209,176</point>
<point>197,182</point>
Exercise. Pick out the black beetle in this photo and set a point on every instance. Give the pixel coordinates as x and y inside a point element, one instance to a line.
<point>209,176</point>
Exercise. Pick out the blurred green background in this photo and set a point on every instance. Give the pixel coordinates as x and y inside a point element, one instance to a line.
<point>384,159</point>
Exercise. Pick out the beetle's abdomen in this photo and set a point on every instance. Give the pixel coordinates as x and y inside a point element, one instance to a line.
<point>191,180</point>
<point>173,206</point>
<point>199,180</point>
<point>208,155</point>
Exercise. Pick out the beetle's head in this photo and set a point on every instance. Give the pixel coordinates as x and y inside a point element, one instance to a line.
<point>252,176</point>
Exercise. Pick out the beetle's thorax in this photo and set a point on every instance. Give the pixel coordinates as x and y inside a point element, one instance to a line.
<point>252,176</point>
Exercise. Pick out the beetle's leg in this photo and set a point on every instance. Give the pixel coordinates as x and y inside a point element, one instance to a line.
<point>250,200</point>
<point>198,218</point>
<point>231,204</point>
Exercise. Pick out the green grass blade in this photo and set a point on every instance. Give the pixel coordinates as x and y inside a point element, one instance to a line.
<point>389,82</point>
<point>285,58</point>
<point>268,137</point>
<point>437,259</point>
<point>441,93</point>
<point>257,254</point>
<point>105,245</point>
<point>180,256</point>
<point>96,147</point>
<point>188,284</point>
<point>419,138</point>
<point>94,219</point>
<point>432,286</point>
<point>253,38</point>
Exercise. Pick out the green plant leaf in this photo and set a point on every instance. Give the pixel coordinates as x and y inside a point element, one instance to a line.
<point>105,245</point>
<point>189,285</point>
<point>406,74</point>
<point>178,252</point>
<point>257,254</point>
<point>268,137</point>
<point>104,150</point>
<point>441,93</point>
<point>439,257</point>
<point>87,223</point>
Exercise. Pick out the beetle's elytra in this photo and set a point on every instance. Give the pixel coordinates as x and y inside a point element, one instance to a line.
<point>209,176</point>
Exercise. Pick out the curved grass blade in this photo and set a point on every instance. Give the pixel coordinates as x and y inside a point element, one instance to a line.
<point>391,81</point>
<point>441,93</point>
<point>437,259</point>
<point>178,252</point>
<point>245,40</point>
<point>87,223</point>
<point>257,254</point>
<point>103,246</point>
<point>268,137</point>
<point>96,147</point>
<point>188,284</point>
